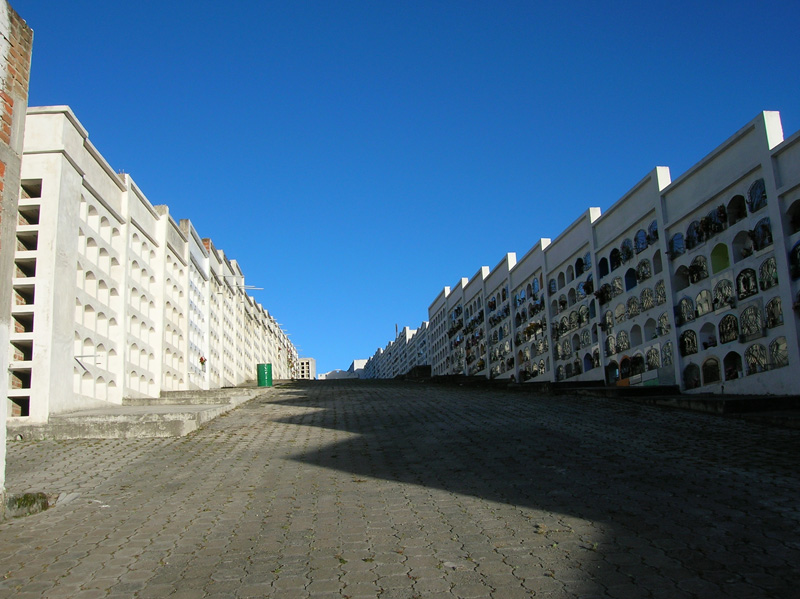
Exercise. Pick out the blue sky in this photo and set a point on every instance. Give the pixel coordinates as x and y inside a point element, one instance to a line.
<point>357,156</point>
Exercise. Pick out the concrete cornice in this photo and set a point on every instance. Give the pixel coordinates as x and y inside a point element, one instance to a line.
<point>477,280</point>
<point>462,282</point>
<point>178,254</point>
<point>540,245</point>
<point>142,230</point>
<point>633,190</point>
<point>709,158</point>
<point>66,111</point>
<point>235,265</point>
<point>786,144</point>
<point>121,219</point>
<point>199,268</point>
<point>142,198</point>
<point>194,235</point>
<point>172,222</point>
<point>585,218</point>
<point>440,297</point>
<point>509,259</point>
<point>60,109</point>
<point>788,189</point>
<point>63,153</point>
<point>103,164</point>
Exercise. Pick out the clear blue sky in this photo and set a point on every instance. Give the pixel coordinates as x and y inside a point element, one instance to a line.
<point>357,156</point>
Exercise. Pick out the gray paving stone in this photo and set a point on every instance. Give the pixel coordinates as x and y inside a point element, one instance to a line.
<point>426,586</point>
<point>543,584</point>
<point>283,583</point>
<point>360,589</point>
<point>367,576</point>
<point>155,591</point>
<point>501,581</point>
<point>390,570</point>
<point>513,593</point>
<point>318,587</point>
<point>396,490</point>
<point>84,594</point>
<point>426,573</point>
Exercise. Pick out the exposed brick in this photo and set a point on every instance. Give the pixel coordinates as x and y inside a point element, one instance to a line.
<point>15,382</point>
<point>14,86</point>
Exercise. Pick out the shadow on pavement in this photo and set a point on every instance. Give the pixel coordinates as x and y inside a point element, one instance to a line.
<point>693,504</point>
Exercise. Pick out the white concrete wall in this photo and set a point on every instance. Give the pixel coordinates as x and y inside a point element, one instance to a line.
<point>455,362</point>
<point>634,328</point>
<point>476,346</point>
<point>437,339</point>
<point>718,180</point>
<point>499,337</point>
<point>634,315</point>
<point>199,310</point>
<point>529,313</point>
<point>126,299</point>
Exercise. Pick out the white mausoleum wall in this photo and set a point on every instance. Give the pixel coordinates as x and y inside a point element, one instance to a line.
<point>119,287</point>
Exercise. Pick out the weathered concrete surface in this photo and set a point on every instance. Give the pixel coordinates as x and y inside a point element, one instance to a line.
<point>357,489</point>
<point>159,417</point>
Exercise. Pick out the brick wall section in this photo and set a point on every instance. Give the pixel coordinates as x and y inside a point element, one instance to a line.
<point>18,73</point>
<point>15,85</point>
<point>16,39</point>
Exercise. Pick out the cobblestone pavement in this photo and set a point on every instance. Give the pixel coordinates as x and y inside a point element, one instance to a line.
<point>356,489</point>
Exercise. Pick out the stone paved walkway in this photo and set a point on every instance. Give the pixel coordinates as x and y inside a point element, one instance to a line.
<point>355,489</point>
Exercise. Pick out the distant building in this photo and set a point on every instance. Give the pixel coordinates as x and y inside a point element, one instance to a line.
<point>336,374</point>
<point>372,368</point>
<point>357,368</point>
<point>308,369</point>
<point>409,349</point>
<point>356,371</point>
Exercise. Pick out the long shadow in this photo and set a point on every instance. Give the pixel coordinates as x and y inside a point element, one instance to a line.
<point>704,505</point>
